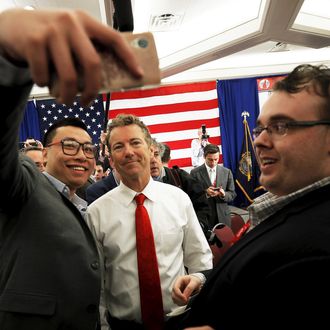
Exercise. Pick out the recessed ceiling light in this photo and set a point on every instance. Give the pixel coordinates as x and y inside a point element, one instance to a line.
<point>279,47</point>
<point>29,8</point>
<point>165,22</point>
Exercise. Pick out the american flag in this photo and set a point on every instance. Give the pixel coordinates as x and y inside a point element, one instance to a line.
<point>93,116</point>
<point>173,114</point>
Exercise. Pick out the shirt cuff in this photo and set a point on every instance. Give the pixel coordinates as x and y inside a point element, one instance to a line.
<point>200,276</point>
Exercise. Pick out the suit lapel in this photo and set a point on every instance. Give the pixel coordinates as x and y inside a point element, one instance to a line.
<point>205,175</point>
<point>218,177</point>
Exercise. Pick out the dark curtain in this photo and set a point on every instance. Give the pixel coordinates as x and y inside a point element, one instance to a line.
<point>30,124</point>
<point>235,97</point>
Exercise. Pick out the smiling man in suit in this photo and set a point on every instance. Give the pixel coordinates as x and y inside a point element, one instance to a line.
<point>50,276</point>
<point>218,183</point>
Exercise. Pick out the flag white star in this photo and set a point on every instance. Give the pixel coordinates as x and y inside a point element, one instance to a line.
<point>50,112</point>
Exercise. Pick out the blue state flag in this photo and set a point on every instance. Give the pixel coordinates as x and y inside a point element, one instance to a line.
<point>248,172</point>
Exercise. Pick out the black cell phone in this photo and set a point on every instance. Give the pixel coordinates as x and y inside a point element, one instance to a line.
<point>216,188</point>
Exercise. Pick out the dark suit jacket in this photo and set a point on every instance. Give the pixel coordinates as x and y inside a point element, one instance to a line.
<point>49,264</point>
<point>276,276</point>
<point>97,189</point>
<point>225,179</point>
<point>81,191</point>
<point>182,179</point>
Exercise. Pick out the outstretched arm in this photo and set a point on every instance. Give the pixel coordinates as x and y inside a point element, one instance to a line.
<point>43,39</point>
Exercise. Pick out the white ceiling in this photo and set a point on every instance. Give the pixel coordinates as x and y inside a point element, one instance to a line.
<point>221,39</point>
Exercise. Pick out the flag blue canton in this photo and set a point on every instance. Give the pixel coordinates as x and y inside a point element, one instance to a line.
<point>50,112</point>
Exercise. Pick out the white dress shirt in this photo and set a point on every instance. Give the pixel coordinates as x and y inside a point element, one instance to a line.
<point>179,242</point>
<point>212,174</point>
<point>197,153</point>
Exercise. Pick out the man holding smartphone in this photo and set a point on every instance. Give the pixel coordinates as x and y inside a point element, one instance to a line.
<point>218,183</point>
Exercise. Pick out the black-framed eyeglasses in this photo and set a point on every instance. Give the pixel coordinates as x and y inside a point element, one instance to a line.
<point>280,128</point>
<point>71,147</point>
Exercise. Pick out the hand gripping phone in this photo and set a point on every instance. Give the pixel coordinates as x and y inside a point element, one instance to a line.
<point>115,75</point>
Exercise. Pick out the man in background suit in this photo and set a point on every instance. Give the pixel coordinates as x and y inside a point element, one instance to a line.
<point>49,264</point>
<point>218,183</point>
<point>178,177</point>
<point>97,189</point>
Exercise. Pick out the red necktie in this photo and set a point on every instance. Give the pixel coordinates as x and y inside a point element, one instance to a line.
<point>150,290</point>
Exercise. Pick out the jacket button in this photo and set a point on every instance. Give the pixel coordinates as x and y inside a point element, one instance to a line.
<point>91,308</point>
<point>95,265</point>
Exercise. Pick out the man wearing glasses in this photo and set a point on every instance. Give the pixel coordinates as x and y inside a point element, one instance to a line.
<point>70,158</point>
<point>50,277</point>
<point>279,271</point>
<point>73,170</point>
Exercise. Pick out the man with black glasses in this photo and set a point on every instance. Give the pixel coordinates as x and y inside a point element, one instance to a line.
<point>50,277</point>
<point>70,157</point>
<point>74,171</point>
<point>279,271</point>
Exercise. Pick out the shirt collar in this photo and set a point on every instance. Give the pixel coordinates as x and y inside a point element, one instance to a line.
<point>80,203</point>
<point>127,194</point>
<point>268,204</point>
<point>161,175</point>
<point>210,169</point>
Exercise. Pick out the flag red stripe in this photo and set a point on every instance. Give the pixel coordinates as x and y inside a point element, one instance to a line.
<point>186,144</point>
<point>183,162</point>
<point>167,108</point>
<point>173,112</point>
<point>185,125</point>
<point>163,90</point>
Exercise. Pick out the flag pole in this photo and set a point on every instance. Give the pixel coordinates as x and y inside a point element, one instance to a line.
<point>245,123</point>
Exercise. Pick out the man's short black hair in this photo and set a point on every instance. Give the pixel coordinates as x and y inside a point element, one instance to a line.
<point>211,149</point>
<point>49,135</point>
<point>98,162</point>
<point>308,77</point>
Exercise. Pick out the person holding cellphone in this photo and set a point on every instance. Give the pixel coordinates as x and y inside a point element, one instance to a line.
<point>50,274</point>
<point>218,183</point>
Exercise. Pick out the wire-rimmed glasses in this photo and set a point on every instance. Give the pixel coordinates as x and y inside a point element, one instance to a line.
<point>280,128</point>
